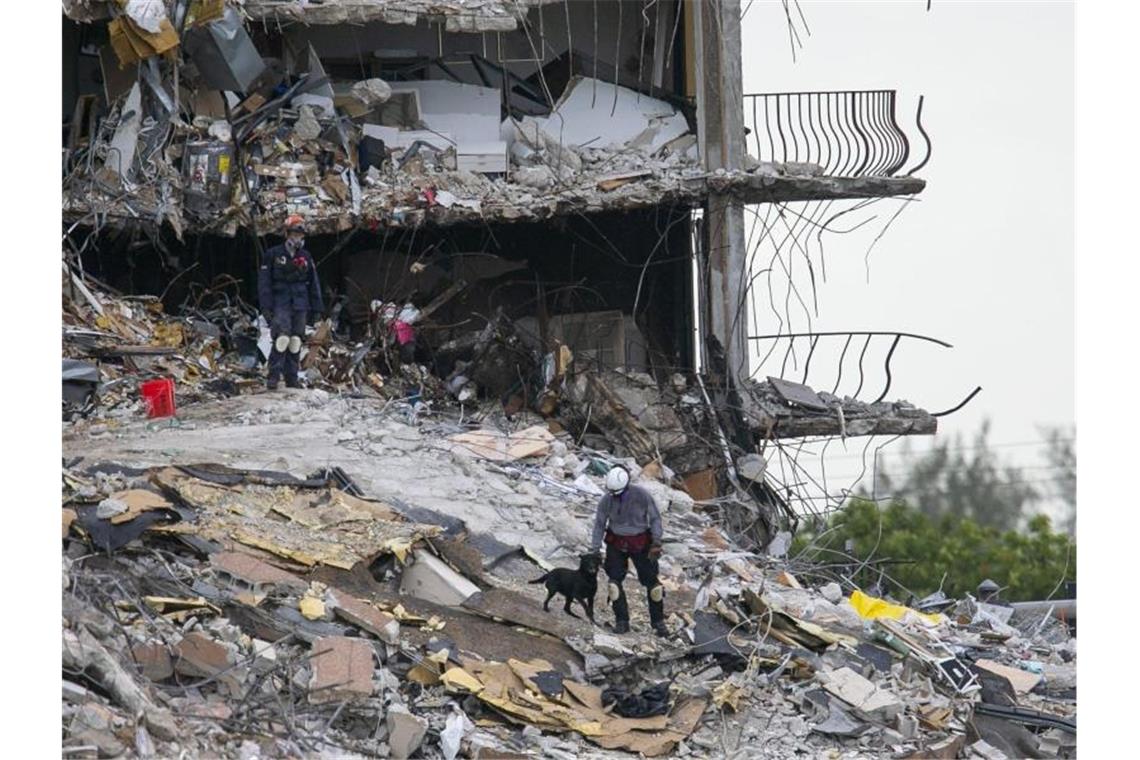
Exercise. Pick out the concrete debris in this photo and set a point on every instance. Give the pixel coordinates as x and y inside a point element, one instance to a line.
<point>864,696</point>
<point>410,660</point>
<point>342,670</point>
<point>347,565</point>
<point>405,731</point>
<point>360,154</point>
<point>429,578</point>
<point>751,467</point>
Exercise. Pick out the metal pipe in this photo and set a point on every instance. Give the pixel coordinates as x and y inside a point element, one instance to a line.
<point>1063,609</point>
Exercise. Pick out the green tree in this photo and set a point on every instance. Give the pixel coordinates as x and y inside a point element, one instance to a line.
<point>953,478</point>
<point>916,551</point>
<point>1061,454</point>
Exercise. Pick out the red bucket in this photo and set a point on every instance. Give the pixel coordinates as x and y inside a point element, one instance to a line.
<point>159,397</point>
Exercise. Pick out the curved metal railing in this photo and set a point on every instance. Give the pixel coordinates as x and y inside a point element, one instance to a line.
<point>850,133</point>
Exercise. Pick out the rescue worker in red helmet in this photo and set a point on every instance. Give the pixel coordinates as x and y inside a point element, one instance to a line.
<point>289,293</point>
<point>630,523</point>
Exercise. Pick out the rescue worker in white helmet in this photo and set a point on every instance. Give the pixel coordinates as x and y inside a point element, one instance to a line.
<point>630,523</point>
<point>289,294</point>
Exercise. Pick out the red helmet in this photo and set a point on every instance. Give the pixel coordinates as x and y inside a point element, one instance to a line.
<point>294,223</point>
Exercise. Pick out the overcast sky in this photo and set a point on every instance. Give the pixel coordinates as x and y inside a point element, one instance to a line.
<point>985,260</point>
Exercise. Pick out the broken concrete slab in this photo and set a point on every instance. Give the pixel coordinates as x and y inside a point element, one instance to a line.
<point>253,572</point>
<point>832,593</point>
<point>363,615</point>
<point>342,670</point>
<point>1022,681</point>
<point>534,441</point>
<point>154,660</point>
<point>752,467</point>
<point>121,153</point>
<point>199,655</point>
<point>429,578</point>
<point>870,700</point>
<point>406,732</point>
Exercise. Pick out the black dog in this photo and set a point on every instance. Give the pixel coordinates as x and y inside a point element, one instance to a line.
<point>580,584</point>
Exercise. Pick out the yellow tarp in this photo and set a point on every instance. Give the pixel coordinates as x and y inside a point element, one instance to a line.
<point>873,608</point>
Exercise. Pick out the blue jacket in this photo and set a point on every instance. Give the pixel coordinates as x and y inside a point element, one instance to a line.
<point>288,282</point>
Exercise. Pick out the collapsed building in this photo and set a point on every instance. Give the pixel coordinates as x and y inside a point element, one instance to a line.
<point>555,191</point>
<point>556,188</point>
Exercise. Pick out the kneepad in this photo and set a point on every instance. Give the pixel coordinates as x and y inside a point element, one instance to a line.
<point>281,343</point>
<point>295,344</point>
<point>657,593</point>
<point>613,593</point>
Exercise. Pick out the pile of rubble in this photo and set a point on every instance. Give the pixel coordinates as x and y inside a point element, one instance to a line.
<point>176,146</point>
<point>383,608</point>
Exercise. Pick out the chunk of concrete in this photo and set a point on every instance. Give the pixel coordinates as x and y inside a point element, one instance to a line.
<point>342,670</point>
<point>380,624</point>
<point>252,572</point>
<point>609,645</point>
<point>430,579</point>
<point>752,467</point>
<point>153,660</point>
<point>861,694</point>
<point>405,731</point>
<point>986,751</point>
<point>199,656</point>
<point>832,593</point>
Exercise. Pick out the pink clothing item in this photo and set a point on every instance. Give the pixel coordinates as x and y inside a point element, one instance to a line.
<point>405,334</point>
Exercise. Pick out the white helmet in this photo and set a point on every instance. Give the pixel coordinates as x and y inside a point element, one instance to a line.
<point>617,479</point>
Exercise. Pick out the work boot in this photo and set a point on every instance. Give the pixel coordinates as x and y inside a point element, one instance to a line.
<point>276,364</point>
<point>657,610</point>
<point>621,612</point>
<point>292,366</point>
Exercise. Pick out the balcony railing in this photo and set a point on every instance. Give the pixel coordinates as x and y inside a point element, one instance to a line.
<point>850,133</point>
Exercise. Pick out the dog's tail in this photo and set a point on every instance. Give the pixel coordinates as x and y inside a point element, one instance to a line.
<point>540,580</point>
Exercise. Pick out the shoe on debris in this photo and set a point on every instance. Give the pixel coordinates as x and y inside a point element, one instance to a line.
<point>661,630</point>
<point>292,383</point>
<point>621,626</point>
<point>272,385</point>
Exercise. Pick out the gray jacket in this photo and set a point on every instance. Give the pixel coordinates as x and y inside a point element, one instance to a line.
<point>633,512</point>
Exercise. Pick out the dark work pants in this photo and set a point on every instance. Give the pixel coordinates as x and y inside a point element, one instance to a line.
<point>290,323</point>
<point>616,567</point>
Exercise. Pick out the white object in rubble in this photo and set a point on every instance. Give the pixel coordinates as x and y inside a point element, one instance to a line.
<point>221,130</point>
<point>538,177</point>
<point>108,508</point>
<point>372,92</point>
<point>307,126</point>
<point>148,14</point>
<point>780,544</point>
<point>599,114</point>
<point>584,483</point>
<point>405,731</point>
<point>409,315</point>
<point>451,737</point>
<point>121,152</point>
<point>430,579</point>
<point>751,467</point>
<point>264,337</point>
<point>861,694</point>
<point>832,593</point>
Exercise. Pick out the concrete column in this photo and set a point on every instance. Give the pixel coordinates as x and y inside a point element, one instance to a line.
<point>720,135</point>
